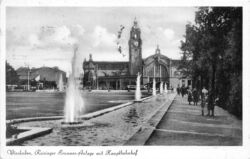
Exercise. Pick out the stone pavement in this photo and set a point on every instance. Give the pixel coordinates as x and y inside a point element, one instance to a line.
<point>183,125</point>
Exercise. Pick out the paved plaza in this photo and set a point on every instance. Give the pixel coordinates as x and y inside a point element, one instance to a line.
<point>184,125</point>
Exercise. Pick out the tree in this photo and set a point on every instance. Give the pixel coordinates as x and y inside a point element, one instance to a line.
<point>214,46</point>
<point>11,76</point>
<point>234,55</point>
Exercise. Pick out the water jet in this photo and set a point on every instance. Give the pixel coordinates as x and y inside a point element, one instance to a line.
<point>74,104</point>
<point>161,87</point>
<point>154,88</point>
<point>166,89</point>
<point>138,88</point>
<point>60,84</point>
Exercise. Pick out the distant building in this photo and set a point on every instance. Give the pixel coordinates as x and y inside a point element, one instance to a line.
<point>176,76</point>
<point>40,75</point>
<point>118,75</point>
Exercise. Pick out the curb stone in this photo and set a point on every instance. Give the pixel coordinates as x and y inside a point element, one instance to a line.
<point>146,130</point>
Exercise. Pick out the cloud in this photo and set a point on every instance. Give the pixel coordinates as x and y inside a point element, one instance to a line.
<point>14,38</point>
<point>34,40</point>
<point>169,34</point>
<point>52,37</point>
<point>101,37</point>
<point>60,35</point>
<point>45,37</point>
<point>167,40</point>
<point>77,31</point>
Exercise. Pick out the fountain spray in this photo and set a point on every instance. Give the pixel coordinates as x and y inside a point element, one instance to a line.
<point>161,87</point>
<point>166,89</point>
<point>154,89</point>
<point>74,104</point>
<point>60,83</point>
<point>138,88</point>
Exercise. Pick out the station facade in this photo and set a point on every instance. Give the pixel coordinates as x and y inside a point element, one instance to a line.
<point>118,75</point>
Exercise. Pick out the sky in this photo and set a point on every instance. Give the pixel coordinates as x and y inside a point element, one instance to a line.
<point>46,36</point>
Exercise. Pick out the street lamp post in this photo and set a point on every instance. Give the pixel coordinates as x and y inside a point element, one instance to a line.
<point>28,75</point>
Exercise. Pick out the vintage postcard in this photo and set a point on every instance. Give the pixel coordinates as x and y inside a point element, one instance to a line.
<point>120,79</point>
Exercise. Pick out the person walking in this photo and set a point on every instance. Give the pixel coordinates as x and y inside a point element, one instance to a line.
<point>183,91</point>
<point>195,96</point>
<point>212,101</point>
<point>178,90</point>
<point>203,102</point>
<point>210,105</point>
<point>204,90</point>
<point>189,96</point>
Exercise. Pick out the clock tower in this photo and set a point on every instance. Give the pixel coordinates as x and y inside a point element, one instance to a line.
<point>135,56</point>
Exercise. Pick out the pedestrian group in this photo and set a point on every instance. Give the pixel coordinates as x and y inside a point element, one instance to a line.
<point>194,96</point>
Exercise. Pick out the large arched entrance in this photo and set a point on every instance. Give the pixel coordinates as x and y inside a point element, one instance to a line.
<point>156,66</point>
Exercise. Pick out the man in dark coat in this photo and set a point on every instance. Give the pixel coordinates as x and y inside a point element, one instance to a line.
<point>178,90</point>
<point>189,96</point>
<point>195,96</point>
<point>183,89</point>
<point>210,106</point>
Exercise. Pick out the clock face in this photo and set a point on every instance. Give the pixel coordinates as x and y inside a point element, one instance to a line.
<point>135,36</point>
<point>136,43</point>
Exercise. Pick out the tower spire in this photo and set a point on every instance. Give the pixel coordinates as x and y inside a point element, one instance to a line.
<point>135,23</point>
<point>157,51</point>
<point>90,57</point>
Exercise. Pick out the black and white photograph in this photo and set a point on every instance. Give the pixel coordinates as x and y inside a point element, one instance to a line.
<point>122,76</point>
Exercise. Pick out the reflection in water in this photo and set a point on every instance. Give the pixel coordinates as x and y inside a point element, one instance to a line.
<point>131,117</point>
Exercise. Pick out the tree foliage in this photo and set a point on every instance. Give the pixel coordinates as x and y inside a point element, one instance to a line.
<point>11,75</point>
<point>212,54</point>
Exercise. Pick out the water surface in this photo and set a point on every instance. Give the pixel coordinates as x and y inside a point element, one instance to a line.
<point>37,104</point>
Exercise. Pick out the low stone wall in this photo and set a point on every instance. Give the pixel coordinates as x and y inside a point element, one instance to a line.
<point>146,130</point>
<point>27,135</point>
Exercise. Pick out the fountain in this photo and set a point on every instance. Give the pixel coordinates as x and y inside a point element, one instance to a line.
<point>166,89</point>
<point>60,84</point>
<point>138,88</point>
<point>161,87</point>
<point>154,89</point>
<point>73,102</point>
